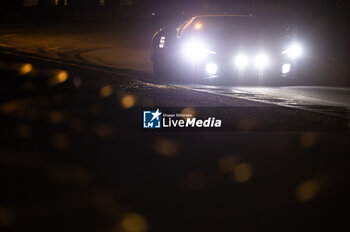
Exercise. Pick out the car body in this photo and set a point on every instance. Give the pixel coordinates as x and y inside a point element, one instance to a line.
<point>230,46</point>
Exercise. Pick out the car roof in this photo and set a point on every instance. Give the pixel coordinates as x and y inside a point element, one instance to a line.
<point>223,15</point>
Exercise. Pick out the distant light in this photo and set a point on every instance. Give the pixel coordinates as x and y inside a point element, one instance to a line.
<point>56,2</point>
<point>106,91</point>
<point>261,60</point>
<point>133,222</point>
<point>211,68</point>
<point>198,26</point>
<point>60,77</point>
<point>102,2</point>
<point>286,68</point>
<point>25,69</point>
<point>241,61</point>
<point>243,172</point>
<point>128,101</point>
<point>153,14</point>
<point>307,190</point>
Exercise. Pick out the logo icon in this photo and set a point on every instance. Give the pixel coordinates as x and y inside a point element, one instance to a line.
<point>151,119</point>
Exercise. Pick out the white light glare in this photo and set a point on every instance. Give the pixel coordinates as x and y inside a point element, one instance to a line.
<point>241,61</point>
<point>286,68</point>
<point>196,50</point>
<point>261,61</point>
<point>211,68</point>
<point>294,51</point>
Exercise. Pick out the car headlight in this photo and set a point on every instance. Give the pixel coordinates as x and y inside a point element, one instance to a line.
<point>196,50</point>
<point>286,68</point>
<point>293,51</point>
<point>241,61</point>
<point>261,60</point>
<point>211,68</point>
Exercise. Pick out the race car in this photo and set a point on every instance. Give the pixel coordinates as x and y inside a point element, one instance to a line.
<point>229,46</point>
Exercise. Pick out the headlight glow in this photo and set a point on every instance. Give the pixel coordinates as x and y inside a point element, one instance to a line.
<point>198,26</point>
<point>211,68</point>
<point>286,68</point>
<point>196,50</point>
<point>241,61</point>
<point>293,51</point>
<point>261,60</point>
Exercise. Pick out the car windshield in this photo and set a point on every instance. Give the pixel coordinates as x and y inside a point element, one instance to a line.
<point>224,24</point>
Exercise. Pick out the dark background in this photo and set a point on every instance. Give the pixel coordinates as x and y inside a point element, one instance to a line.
<point>322,22</point>
<point>74,159</point>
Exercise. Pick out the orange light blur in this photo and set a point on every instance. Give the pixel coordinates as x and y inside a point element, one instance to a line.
<point>133,222</point>
<point>58,78</point>
<point>25,69</point>
<point>128,101</point>
<point>198,26</point>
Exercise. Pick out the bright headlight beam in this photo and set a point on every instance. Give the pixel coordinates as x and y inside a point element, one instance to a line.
<point>196,50</point>
<point>286,68</point>
<point>294,51</point>
<point>261,60</point>
<point>241,61</point>
<point>211,68</point>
